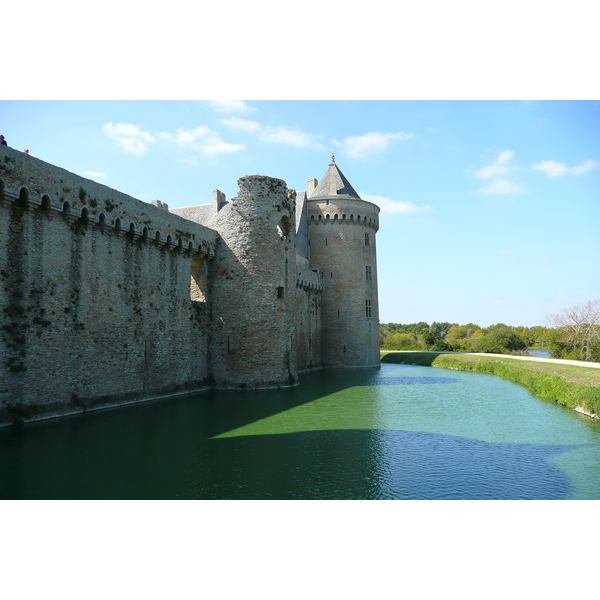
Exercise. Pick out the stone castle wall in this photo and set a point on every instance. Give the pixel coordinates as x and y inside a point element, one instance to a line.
<point>95,291</point>
<point>254,287</point>
<point>106,298</point>
<point>309,290</point>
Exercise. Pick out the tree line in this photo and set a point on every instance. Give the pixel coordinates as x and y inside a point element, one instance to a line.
<point>573,333</point>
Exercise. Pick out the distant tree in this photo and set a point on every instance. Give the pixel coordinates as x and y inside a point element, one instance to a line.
<point>404,341</point>
<point>540,336</point>
<point>418,328</point>
<point>459,336</point>
<point>526,334</point>
<point>577,332</point>
<point>442,328</point>
<point>499,339</point>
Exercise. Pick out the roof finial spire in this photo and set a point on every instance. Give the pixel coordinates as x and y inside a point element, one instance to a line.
<point>332,156</point>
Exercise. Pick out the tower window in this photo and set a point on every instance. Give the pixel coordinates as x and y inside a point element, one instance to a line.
<point>367,239</point>
<point>280,291</point>
<point>368,272</point>
<point>326,241</point>
<point>368,308</point>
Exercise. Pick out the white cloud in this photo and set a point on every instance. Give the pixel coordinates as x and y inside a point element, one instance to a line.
<point>236,123</point>
<point>217,146</point>
<point>584,167</point>
<point>231,106</point>
<point>186,138</point>
<point>201,138</point>
<point>94,175</point>
<point>130,137</point>
<point>293,137</point>
<point>498,167</point>
<point>360,146</point>
<point>554,169</point>
<point>500,186</point>
<point>387,205</point>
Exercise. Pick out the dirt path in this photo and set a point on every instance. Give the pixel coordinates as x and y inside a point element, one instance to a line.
<point>559,361</point>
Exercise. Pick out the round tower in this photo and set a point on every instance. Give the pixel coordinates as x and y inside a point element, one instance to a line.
<point>253,281</point>
<point>342,230</point>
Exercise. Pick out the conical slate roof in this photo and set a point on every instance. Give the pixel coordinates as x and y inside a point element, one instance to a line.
<point>334,184</point>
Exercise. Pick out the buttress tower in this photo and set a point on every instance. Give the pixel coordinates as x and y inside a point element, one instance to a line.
<point>342,229</point>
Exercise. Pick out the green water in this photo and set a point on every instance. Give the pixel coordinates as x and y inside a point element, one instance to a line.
<point>399,432</point>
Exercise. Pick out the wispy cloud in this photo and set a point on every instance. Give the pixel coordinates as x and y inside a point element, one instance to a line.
<point>387,205</point>
<point>237,124</point>
<point>292,137</point>
<point>231,106</point>
<point>363,145</point>
<point>496,173</point>
<point>501,186</point>
<point>94,175</point>
<point>133,139</point>
<point>201,138</point>
<point>499,167</point>
<point>554,169</point>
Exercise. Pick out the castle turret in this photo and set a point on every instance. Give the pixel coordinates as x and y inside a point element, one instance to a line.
<point>253,282</point>
<point>342,230</point>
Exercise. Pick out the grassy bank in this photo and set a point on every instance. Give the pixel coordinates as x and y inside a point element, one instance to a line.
<point>572,386</point>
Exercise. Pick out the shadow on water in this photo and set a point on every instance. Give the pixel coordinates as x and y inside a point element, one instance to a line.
<point>422,359</point>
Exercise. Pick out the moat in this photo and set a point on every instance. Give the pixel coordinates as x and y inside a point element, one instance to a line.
<point>399,432</point>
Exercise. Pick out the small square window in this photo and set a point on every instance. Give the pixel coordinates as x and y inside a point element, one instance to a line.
<point>280,292</point>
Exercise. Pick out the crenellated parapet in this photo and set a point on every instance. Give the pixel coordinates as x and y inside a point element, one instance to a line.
<point>335,218</point>
<point>309,280</point>
<point>346,212</point>
<point>39,186</point>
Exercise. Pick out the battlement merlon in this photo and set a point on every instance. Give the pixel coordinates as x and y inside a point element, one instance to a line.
<point>41,184</point>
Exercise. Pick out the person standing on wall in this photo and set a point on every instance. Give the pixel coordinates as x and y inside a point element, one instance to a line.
<point>3,141</point>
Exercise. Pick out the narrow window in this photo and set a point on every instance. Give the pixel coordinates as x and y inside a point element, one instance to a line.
<point>367,239</point>
<point>326,241</point>
<point>284,227</point>
<point>368,272</point>
<point>280,291</point>
<point>331,275</point>
<point>368,308</point>
<point>198,280</point>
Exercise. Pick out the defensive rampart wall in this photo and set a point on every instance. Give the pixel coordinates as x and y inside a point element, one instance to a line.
<point>309,289</point>
<point>95,291</point>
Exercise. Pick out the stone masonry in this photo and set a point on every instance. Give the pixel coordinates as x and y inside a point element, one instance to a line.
<point>105,298</point>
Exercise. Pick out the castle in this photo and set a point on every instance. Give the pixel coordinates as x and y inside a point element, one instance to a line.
<point>106,298</point>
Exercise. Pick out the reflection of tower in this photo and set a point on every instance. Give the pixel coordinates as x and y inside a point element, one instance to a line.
<point>342,230</point>
<point>253,286</point>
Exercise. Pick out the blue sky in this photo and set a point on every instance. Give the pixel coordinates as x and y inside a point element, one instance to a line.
<point>490,210</point>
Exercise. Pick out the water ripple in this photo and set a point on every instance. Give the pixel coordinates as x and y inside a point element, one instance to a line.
<point>412,380</point>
